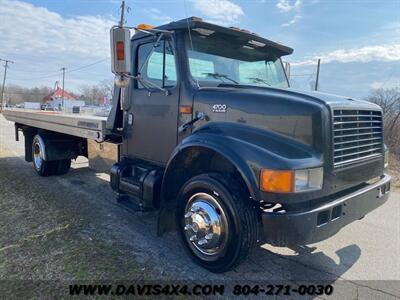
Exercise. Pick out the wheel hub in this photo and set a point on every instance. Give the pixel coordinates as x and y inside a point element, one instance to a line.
<point>37,155</point>
<point>205,224</point>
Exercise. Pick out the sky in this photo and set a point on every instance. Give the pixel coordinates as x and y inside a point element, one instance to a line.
<point>358,41</point>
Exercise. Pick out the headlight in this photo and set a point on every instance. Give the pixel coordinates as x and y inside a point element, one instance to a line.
<point>308,179</point>
<point>386,159</point>
<point>291,181</point>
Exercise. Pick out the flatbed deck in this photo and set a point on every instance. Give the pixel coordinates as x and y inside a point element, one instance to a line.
<point>85,126</point>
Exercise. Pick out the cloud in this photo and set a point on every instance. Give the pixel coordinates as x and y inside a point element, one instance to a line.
<point>28,28</point>
<point>157,15</point>
<point>391,82</point>
<point>296,6</point>
<point>222,12</point>
<point>387,53</point>
<point>295,19</point>
<point>41,41</point>
<point>286,6</point>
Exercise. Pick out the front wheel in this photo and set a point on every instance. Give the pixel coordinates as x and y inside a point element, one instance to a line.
<point>217,221</point>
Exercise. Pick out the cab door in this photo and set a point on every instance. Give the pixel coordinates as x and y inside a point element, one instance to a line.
<point>155,101</point>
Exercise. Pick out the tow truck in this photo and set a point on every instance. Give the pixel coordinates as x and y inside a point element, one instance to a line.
<point>211,135</point>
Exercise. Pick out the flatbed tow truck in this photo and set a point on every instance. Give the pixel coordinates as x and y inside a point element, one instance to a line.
<point>212,136</point>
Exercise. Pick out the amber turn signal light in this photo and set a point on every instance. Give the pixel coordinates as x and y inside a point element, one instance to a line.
<point>277,181</point>
<point>185,109</point>
<point>120,51</point>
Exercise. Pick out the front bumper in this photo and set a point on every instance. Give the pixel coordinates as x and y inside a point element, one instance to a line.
<point>310,226</point>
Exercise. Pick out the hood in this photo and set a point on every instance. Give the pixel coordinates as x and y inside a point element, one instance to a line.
<point>330,100</point>
<point>290,112</point>
<point>335,100</point>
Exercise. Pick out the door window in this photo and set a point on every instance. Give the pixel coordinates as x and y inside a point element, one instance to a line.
<point>157,66</point>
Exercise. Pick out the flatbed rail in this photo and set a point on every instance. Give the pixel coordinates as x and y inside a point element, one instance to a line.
<point>85,126</point>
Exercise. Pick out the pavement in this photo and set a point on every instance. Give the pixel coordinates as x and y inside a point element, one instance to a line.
<point>71,228</point>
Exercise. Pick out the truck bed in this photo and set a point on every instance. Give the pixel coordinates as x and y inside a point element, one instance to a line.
<point>85,126</point>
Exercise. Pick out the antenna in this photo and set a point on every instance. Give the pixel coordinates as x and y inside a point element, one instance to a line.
<point>189,33</point>
<point>317,77</point>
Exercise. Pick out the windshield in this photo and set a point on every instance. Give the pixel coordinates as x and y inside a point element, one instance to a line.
<point>217,58</point>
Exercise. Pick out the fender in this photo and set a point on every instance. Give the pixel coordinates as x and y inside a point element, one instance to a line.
<point>58,147</point>
<point>249,149</point>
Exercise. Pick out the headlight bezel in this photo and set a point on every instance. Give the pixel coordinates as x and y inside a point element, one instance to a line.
<point>386,159</point>
<point>291,181</point>
<point>312,180</point>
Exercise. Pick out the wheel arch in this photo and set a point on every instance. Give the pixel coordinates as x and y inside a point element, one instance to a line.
<point>184,164</point>
<point>57,146</point>
<point>198,158</point>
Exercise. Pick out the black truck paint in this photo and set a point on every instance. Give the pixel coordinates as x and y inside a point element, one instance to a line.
<point>243,129</point>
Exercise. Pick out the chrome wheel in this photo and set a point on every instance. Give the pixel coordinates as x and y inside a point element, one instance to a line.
<point>38,155</point>
<point>206,225</point>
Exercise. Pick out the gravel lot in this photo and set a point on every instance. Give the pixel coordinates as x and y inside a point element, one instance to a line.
<point>71,228</point>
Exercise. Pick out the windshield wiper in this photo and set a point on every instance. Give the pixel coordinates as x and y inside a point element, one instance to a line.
<point>219,76</point>
<point>259,80</point>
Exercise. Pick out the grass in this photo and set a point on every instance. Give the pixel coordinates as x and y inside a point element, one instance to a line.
<point>42,239</point>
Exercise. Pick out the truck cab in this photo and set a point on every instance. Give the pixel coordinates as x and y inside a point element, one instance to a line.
<point>212,136</point>
<point>215,138</point>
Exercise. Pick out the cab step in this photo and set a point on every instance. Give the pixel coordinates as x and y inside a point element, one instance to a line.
<point>139,181</point>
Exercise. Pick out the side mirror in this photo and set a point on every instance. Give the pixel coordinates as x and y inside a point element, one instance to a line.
<point>120,51</point>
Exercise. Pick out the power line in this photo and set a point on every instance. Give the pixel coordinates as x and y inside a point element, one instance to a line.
<point>89,65</point>
<point>37,78</point>
<point>38,72</point>
<point>310,74</point>
<point>23,93</point>
<point>59,73</point>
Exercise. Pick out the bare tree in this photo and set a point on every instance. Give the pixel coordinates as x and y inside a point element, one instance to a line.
<point>389,100</point>
<point>108,86</point>
<point>93,93</point>
<point>15,94</point>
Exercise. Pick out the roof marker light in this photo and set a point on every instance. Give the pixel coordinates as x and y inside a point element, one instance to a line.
<point>256,43</point>
<point>145,27</point>
<point>204,31</point>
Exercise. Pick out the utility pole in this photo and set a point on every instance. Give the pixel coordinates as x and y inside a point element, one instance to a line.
<point>63,69</point>
<point>4,80</point>
<point>122,21</point>
<point>317,78</point>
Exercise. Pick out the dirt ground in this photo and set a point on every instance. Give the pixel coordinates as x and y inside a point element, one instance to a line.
<point>71,228</point>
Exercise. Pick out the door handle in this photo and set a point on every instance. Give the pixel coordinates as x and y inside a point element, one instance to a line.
<point>187,125</point>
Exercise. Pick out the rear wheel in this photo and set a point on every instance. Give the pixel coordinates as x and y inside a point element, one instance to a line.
<point>217,221</point>
<point>41,166</point>
<point>63,166</point>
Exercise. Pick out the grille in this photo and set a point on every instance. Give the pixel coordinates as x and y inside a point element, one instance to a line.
<point>357,135</point>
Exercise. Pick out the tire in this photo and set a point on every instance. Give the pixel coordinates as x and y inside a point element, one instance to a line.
<point>63,166</point>
<point>42,167</point>
<point>225,203</point>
